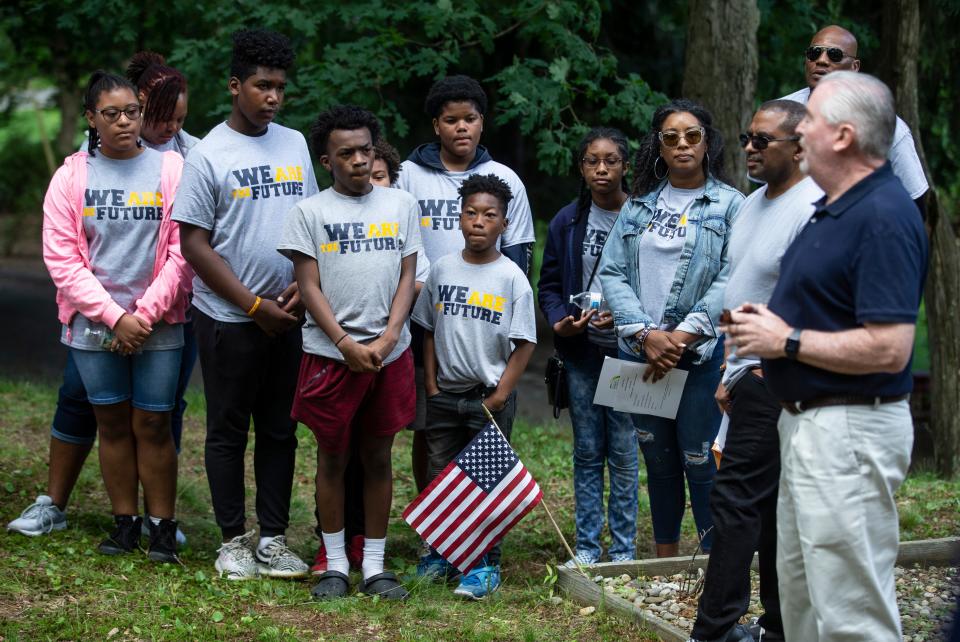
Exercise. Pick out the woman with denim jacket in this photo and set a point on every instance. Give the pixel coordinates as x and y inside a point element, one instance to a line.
<point>663,272</point>
<point>601,435</point>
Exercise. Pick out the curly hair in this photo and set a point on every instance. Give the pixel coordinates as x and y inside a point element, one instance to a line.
<point>454,89</point>
<point>617,137</point>
<point>644,172</point>
<point>254,48</point>
<point>160,84</point>
<point>486,184</point>
<point>382,150</point>
<point>101,81</point>
<point>341,117</point>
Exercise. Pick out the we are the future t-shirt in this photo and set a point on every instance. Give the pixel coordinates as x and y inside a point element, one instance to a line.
<point>242,188</point>
<point>122,210</point>
<point>437,194</point>
<point>358,243</point>
<point>475,312</point>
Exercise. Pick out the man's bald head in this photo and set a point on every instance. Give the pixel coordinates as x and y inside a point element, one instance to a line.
<point>830,38</point>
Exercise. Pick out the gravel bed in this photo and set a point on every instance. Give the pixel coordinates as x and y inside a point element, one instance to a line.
<point>927,597</point>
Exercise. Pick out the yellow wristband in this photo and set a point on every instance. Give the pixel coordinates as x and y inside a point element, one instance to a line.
<point>253,308</point>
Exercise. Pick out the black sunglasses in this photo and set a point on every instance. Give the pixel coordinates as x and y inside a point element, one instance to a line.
<point>835,54</point>
<point>760,143</point>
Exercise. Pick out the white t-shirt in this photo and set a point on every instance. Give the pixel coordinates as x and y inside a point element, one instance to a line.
<point>903,153</point>
<point>659,249</point>
<point>763,231</point>
<point>474,312</point>
<point>358,242</point>
<point>436,192</point>
<point>241,188</point>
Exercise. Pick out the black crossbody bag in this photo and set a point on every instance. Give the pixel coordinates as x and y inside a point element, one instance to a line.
<point>558,395</point>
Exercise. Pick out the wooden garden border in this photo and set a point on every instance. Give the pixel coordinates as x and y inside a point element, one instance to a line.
<point>927,552</point>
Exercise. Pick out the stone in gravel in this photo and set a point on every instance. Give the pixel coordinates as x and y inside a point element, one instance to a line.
<point>625,578</point>
<point>674,608</point>
<point>556,600</point>
<point>683,623</point>
<point>654,599</point>
<point>653,591</point>
<point>668,616</point>
<point>588,610</point>
<point>598,578</point>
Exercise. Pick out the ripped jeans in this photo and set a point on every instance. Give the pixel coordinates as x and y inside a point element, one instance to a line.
<point>678,448</point>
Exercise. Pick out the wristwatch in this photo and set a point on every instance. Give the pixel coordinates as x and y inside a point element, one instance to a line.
<point>792,346</point>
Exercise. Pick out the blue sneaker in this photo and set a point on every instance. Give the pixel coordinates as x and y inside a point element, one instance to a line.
<point>432,565</point>
<point>479,582</point>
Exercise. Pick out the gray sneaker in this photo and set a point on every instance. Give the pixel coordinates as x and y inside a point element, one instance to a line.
<point>277,560</point>
<point>39,518</point>
<point>235,559</point>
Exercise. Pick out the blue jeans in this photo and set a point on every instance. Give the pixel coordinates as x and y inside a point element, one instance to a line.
<point>74,421</point>
<point>678,448</point>
<point>147,379</point>
<point>601,435</point>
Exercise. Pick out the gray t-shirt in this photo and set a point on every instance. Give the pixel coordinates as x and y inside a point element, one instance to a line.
<point>659,249</point>
<point>242,188</point>
<point>763,231</point>
<point>122,210</point>
<point>358,242</point>
<point>439,201</point>
<point>474,311</point>
<point>181,143</point>
<point>599,224</point>
<point>903,153</point>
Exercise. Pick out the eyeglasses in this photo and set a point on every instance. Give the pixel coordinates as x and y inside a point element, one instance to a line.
<point>593,163</point>
<point>112,114</point>
<point>671,138</point>
<point>835,54</point>
<point>760,143</point>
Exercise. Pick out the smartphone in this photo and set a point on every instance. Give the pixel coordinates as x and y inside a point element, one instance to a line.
<point>725,317</point>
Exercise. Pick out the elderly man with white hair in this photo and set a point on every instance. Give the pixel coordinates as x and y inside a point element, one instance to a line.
<point>836,343</point>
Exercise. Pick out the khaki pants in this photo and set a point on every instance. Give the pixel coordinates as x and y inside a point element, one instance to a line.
<point>838,530</point>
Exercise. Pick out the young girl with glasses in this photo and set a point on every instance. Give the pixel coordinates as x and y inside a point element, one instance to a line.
<point>114,254</point>
<point>602,437</point>
<point>663,273</point>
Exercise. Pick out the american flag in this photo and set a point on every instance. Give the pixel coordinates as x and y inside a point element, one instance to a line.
<point>477,498</point>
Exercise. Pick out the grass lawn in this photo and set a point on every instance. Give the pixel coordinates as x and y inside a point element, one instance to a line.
<point>58,587</point>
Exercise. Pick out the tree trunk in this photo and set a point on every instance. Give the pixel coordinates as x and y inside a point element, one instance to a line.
<point>721,70</point>
<point>901,31</point>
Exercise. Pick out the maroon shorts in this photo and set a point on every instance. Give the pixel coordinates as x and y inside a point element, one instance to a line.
<point>334,402</point>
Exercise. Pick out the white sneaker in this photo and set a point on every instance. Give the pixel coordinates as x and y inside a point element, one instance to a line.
<point>235,559</point>
<point>39,518</point>
<point>277,560</point>
<point>582,558</point>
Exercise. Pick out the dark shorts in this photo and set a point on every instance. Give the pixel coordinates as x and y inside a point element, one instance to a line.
<point>333,401</point>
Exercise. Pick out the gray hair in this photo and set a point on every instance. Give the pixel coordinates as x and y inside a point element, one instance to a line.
<point>864,102</point>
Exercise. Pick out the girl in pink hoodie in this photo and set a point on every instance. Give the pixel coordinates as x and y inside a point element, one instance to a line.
<point>114,254</point>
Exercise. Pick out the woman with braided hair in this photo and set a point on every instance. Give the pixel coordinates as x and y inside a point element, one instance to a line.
<point>601,436</point>
<point>162,91</point>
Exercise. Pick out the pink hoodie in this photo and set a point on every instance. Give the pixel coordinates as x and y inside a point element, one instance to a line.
<point>67,257</point>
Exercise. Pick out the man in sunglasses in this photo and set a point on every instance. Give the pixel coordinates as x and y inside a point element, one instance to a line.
<point>743,501</point>
<point>834,48</point>
<point>836,343</point>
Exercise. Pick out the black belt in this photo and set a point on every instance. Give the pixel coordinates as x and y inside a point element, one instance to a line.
<point>796,407</point>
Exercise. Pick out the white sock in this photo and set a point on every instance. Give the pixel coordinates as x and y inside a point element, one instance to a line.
<point>154,520</point>
<point>336,552</point>
<point>264,543</point>
<point>373,550</point>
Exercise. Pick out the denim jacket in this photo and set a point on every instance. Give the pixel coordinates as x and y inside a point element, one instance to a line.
<point>701,274</point>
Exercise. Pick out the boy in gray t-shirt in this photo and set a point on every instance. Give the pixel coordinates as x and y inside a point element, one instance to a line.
<point>477,311</point>
<point>354,250</point>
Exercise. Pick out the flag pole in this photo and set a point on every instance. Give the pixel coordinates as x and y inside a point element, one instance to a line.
<point>542,500</point>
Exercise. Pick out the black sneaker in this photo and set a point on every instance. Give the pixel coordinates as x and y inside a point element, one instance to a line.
<point>163,541</point>
<point>125,539</point>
